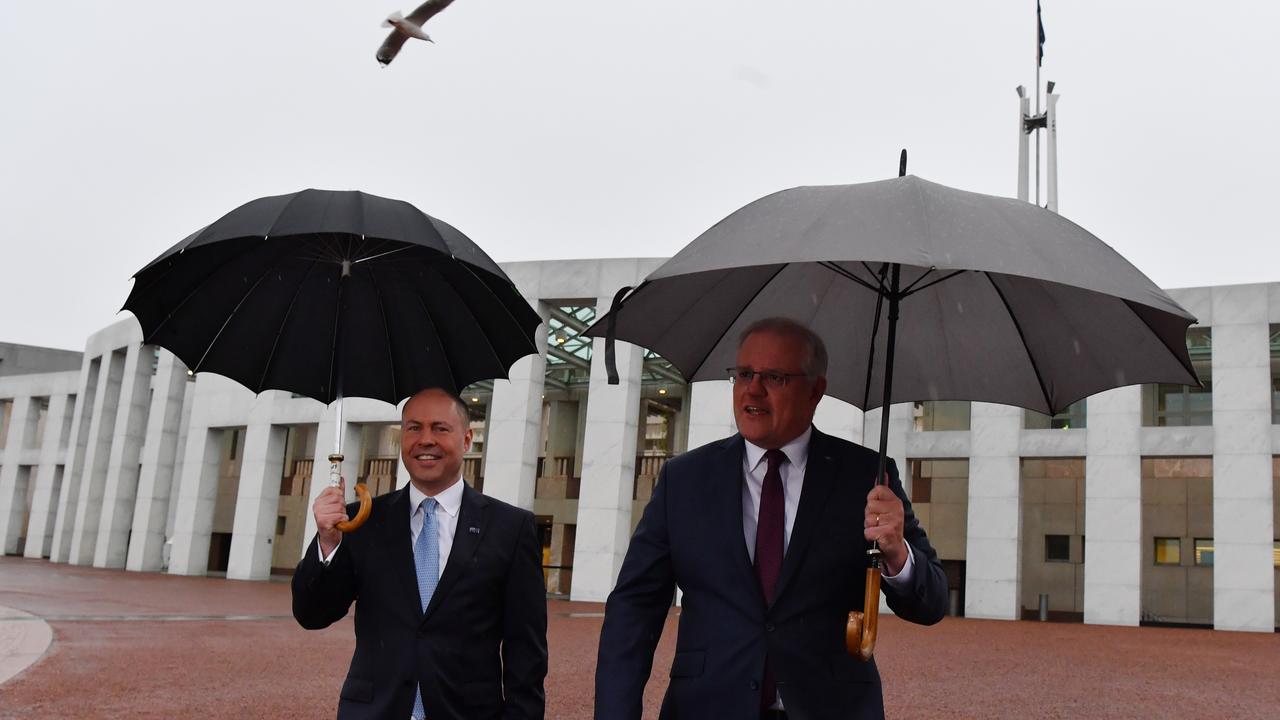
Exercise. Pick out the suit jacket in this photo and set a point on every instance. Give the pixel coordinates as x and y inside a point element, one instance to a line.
<point>691,535</point>
<point>479,650</point>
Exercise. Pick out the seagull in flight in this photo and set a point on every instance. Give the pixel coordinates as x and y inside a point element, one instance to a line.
<point>403,28</point>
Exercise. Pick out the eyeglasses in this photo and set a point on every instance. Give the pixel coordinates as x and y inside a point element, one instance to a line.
<point>772,379</point>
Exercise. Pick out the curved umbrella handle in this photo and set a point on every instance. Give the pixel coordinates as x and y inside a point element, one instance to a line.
<point>366,504</point>
<point>362,492</point>
<point>860,628</point>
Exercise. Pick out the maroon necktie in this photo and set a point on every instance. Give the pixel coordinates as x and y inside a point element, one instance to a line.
<point>770,526</point>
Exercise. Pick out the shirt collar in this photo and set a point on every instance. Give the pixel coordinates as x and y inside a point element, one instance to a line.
<point>797,451</point>
<point>450,500</point>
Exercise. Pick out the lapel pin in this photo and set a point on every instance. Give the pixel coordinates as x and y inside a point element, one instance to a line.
<point>474,530</point>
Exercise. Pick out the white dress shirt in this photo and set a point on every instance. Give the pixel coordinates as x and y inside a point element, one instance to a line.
<point>754,468</point>
<point>448,503</point>
<point>792,471</point>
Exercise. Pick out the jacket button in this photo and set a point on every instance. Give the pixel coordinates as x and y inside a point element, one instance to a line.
<point>769,627</point>
<point>755,685</point>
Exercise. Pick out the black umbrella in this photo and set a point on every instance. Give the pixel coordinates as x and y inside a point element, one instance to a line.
<point>921,292</point>
<point>334,294</point>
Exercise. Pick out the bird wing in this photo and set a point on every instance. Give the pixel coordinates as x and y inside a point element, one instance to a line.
<point>427,10</point>
<point>391,46</point>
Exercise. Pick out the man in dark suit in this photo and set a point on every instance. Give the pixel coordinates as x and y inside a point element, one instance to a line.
<point>451,614</point>
<point>761,533</point>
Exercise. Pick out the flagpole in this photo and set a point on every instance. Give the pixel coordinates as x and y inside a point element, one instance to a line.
<point>1039,51</point>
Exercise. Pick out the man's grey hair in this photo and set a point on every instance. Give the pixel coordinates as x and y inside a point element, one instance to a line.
<point>815,355</point>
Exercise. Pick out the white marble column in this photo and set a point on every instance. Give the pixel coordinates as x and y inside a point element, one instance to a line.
<point>49,477</point>
<point>97,459</point>
<point>159,461</point>
<point>993,561</point>
<point>515,423</point>
<point>197,496</point>
<point>839,418</point>
<point>1243,578</point>
<point>899,426</point>
<point>257,500</point>
<point>402,474</point>
<point>77,449</point>
<point>608,471</point>
<point>710,412</point>
<point>129,430</point>
<point>13,485</point>
<point>1113,508</point>
<point>179,461</point>
<point>350,467</point>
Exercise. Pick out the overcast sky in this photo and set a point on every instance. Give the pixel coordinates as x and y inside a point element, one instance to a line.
<point>587,128</point>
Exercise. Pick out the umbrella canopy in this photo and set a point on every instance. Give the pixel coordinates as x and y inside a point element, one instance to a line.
<point>999,300</point>
<point>331,294</point>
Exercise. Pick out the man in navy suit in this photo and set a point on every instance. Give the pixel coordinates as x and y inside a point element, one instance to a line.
<point>451,613</point>
<point>766,535</point>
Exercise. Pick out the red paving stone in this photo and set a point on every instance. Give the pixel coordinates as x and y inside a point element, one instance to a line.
<point>118,652</point>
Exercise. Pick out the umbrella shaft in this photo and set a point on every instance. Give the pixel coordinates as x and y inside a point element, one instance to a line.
<point>335,466</point>
<point>885,399</point>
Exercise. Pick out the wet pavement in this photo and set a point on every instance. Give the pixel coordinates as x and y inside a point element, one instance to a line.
<point>145,645</point>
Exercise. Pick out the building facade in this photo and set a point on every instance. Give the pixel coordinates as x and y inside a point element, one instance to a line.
<point>1144,504</point>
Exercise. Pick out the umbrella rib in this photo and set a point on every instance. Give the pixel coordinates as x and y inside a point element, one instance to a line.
<point>381,255</point>
<point>231,315</point>
<point>1021,337</point>
<point>848,275</point>
<point>909,291</point>
<point>1172,350</point>
<point>386,329</point>
<point>875,330</point>
<point>284,321</point>
<point>712,346</point>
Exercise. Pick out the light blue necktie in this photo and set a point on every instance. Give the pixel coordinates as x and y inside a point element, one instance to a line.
<point>426,560</point>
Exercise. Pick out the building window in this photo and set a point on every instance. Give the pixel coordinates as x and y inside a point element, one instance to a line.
<point>1204,552</point>
<point>1073,417</point>
<point>1057,548</point>
<point>6,409</point>
<point>1275,374</point>
<point>933,415</point>
<point>1168,551</point>
<point>921,485</point>
<point>1165,405</point>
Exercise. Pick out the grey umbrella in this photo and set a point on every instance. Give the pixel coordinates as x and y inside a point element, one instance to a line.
<point>921,292</point>
<point>999,300</point>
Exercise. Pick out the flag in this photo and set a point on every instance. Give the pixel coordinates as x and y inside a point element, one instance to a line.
<point>1040,25</point>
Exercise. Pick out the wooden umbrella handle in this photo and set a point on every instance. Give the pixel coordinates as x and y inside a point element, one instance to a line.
<point>366,504</point>
<point>860,628</point>
<point>362,492</point>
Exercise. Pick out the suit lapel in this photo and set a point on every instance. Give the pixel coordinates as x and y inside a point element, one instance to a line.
<point>728,501</point>
<point>819,480</point>
<point>472,519</point>
<point>397,547</point>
